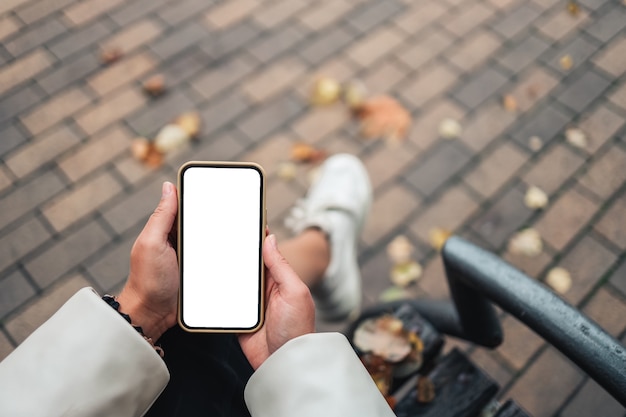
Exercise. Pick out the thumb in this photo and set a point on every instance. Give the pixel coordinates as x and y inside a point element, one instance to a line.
<point>277,265</point>
<point>162,219</point>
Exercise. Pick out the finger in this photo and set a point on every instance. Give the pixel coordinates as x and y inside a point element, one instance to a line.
<point>161,221</point>
<point>278,267</point>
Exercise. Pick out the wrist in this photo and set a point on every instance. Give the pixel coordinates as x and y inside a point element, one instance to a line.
<point>141,316</point>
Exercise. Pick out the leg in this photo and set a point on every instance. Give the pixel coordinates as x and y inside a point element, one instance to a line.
<point>327,226</point>
<point>308,254</point>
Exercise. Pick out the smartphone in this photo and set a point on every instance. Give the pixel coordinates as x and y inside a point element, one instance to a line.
<point>221,228</point>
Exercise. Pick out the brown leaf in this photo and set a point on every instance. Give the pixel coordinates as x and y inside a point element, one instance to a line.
<point>425,390</point>
<point>155,85</point>
<point>140,148</point>
<point>509,103</point>
<point>325,91</point>
<point>110,55</point>
<point>384,117</point>
<point>302,152</point>
<point>154,159</point>
<point>383,336</point>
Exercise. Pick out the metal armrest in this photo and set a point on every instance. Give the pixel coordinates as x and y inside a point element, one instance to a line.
<point>477,277</point>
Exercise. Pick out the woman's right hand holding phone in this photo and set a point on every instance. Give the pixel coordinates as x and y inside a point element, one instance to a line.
<point>289,308</point>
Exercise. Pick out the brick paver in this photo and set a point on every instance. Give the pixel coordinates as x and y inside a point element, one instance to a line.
<point>73,198</point>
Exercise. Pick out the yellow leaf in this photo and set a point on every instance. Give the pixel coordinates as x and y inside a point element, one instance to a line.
<point>438,237</point>
<point>405,274</point>
<point>526,242</point>
<point>287,171</point>
<point>399,250</point>
<point>302,152</point>
<point>354,94</point>
<point>449,129</point>
<point>190,123</point>
<point>573,8</point>
<point>535,198</point>
<point>535,143</point>
<point>576,137</point>
<point>559,279</point>
<point>509,103</point>
<point>566,62</point>
<point>170,137</point>
<point>325,91</point>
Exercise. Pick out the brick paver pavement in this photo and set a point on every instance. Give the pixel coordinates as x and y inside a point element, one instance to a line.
<point>72,199</point>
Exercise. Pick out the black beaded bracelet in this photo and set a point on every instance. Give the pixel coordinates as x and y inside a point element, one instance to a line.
<point>110,300</point>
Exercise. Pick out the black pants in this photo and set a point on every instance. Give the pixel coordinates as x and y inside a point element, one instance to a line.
<point>208,376</point>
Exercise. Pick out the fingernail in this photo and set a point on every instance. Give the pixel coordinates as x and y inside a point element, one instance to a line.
<point>272,239</point>
<point>167,189</point>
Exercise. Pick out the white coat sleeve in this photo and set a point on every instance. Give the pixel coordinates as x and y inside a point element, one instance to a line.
<point>84,361</point>
<point>314,375</point>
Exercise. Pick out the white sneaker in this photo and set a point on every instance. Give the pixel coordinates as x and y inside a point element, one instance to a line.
<point>337,203</point>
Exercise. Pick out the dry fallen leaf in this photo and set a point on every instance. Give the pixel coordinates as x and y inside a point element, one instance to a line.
<point>526,242</point>
<point>449,129</point>
<point>155,85</point>
<point>394,294</point>
<point>573,8</point>
<point>170,137</point>
<point>406,273</point>
<point>190,122</point>
<point>535,143</point>
<point>140,147</point>
<point>559,279</point>
<point>566,62</point>
<point>110,55</point>
<point>399,250</point>
<point>384,117</point>
<point>145,151</point>
<point>302,152</point>
<point>287,170</point>
<point>354,94</point>
<point>325,91</point>
<point>509,103</point>
<point>425,390</point>
<point>381,372</point>
<point>383,336</point>
<point>535,198</point>
<point>438,236</point>
<point>576,137</point>
<point>532,91</point>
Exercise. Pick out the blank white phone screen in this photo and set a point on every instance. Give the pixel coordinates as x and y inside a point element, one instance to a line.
<point>221,247</point>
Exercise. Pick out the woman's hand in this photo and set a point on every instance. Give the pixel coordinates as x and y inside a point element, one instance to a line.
<point>289,309</point>
<point>150,295</point>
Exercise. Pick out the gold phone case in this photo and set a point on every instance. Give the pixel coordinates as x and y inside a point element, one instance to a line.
<point>260,169</point>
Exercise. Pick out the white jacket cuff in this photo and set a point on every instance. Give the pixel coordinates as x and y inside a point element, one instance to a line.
<point>314,375</point>
<point>86,360</point>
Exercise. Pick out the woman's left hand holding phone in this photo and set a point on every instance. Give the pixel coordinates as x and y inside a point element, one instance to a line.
<point>150,295</point>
